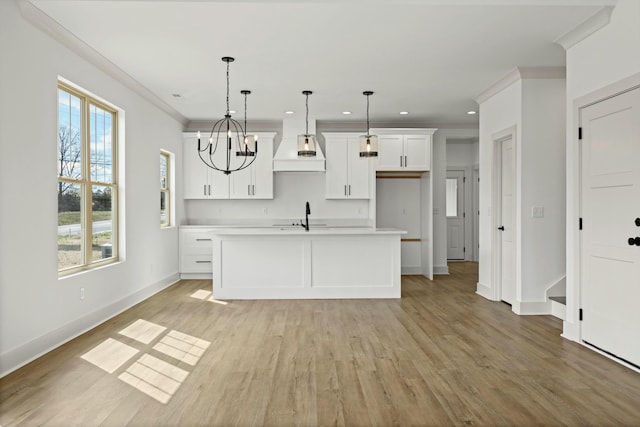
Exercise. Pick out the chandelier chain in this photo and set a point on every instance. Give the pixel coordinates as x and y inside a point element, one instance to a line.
<point>228,89</point>
<point>306,119</point>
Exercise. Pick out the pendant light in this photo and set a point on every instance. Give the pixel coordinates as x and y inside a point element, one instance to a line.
<point>250,142</point>
<point>368,142</point>
<point>223,132</point>
<point>307,142</point>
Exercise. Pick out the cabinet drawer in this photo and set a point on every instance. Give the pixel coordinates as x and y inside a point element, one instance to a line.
<point>196,243</point>
<point>196,264</point>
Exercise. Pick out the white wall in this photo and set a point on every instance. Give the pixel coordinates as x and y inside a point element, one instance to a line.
<point>535,106</point>
<point>605,57</point>
<point>38,311</point>
<point>542,154</point>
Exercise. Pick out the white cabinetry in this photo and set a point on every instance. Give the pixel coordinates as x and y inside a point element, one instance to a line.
<point>196,248</point>
<point>404,149</point>
<point>256,181</point>
<point>347,174</point>
<point>200,181</point>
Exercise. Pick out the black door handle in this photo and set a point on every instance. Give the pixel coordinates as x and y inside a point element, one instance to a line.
<point>634,241</point>
<point>637,221</point>
<point>501,228</point>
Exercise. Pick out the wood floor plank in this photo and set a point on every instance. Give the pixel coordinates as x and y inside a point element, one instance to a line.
<point>441,355</point>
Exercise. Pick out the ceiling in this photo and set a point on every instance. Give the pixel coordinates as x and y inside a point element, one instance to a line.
<point>429,58</point>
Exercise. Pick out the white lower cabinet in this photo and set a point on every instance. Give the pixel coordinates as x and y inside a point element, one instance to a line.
<point>347,175</point>
<point>196,249</point>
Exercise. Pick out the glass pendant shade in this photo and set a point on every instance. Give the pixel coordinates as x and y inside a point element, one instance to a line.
<point>368,142</point>
<point>307,145</point>
<point>368,146</point>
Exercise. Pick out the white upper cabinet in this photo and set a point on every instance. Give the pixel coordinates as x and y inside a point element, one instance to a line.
<point>404,149</point>
<point>256,181</point>
<point>347,174</point>
<point>200,181</point>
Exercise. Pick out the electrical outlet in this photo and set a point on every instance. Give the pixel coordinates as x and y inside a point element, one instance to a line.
<point>537,212</point>
<point>81,293</point>
<point>266,211</point>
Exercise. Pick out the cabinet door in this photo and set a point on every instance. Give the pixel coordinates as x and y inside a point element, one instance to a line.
<point>336,169</point>
<point>262,179</point>
<point>240,182</point>
<point>195,173</point>
<point>415,151</point>
<point>390,154</point>
<point>359,171</point>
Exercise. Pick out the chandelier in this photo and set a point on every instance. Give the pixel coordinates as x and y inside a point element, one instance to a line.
<point>368,142</point>
<point>223,134</point>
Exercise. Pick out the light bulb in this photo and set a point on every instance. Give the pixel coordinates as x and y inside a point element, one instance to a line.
<point>306,143</point>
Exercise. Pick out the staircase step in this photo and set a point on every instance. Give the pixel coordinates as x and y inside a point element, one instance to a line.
<point>561,300</point>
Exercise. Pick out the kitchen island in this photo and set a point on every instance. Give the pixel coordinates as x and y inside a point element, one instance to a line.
<point>292,263</point>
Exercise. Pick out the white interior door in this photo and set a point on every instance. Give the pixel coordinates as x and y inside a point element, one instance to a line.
<point>455,214</point>
<point>507,227</point>
<point>610,276</point>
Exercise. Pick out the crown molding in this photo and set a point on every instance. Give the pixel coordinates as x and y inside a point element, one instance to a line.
<point>521,73</point>
<point>45,23</point>
<point>583,30</point>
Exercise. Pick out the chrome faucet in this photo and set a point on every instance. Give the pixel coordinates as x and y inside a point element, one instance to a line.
<point>306,218</point>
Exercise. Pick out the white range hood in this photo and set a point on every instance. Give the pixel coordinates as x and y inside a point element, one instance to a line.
<point>287,159</point>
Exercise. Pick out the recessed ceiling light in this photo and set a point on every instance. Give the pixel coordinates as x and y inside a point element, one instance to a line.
<point>346,113</point>
<point>471,112</point>
<point>176,95</point>
<point>404,113</point>
<point>289,112</point>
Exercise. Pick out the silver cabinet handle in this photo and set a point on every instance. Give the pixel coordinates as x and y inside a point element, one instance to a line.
<point>349,189</point>
<point>248,189</point>
<point>345,190</point>
<point>203,262</point>
<point>209,189</point>
<point>253,190</point>
<point>203,240</point>
<point>400,161</point>
<point>204,190</point>
<point>405,161</point>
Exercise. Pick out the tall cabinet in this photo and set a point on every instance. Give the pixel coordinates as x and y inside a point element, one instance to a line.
<point>404,195</point>
<point>348,176</point>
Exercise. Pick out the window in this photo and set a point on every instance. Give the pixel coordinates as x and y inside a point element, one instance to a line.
<point>87,185</point>
<point>165,188</point>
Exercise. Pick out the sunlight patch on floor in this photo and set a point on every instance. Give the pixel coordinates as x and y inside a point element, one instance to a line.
<point>150,375</point>
<point>143,331</point>
<point>154,377</point>
<point>110,355</point>
<point>182,347</point>
<point>202,294</point>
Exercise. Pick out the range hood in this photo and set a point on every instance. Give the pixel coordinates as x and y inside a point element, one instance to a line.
<point>287,159</point>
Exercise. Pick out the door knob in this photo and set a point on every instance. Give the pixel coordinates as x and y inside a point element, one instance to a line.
<point>501,228</point>
<point>634,241</point>
<point>637,221</point>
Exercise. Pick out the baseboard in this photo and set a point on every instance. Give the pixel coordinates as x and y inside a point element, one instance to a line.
<point>440,269</point>
<point>484,291</point>
<point>570,331</point>
<point>558,310</point>
<point>196,276</point>
<point>410,270</point>
<point>20,356</point>
<point>531,308</point>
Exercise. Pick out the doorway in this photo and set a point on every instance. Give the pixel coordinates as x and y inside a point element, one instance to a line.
<point>455,212</point>
<point>504,236</point>
<point>610,216</point>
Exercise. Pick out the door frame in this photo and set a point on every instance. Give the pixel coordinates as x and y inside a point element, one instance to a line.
<point>496,240</point>
<point>466,221</point>
<point>572,328</point>
<point>475,229</point>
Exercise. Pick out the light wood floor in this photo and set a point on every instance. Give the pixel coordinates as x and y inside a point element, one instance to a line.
<point>439,356</point>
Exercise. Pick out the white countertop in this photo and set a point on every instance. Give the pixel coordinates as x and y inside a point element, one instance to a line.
<point>290,230</point>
